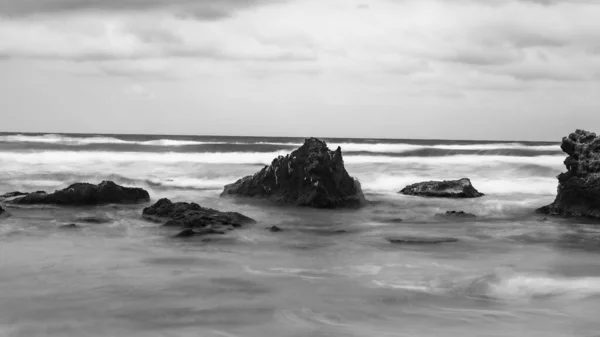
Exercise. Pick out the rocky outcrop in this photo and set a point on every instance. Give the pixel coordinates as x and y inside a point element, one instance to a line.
<point>461,188</point>
<point>1,210</point>
<point>310,176</point>
<point>579,187</point>
<point>107,192</point>
<point>193,216</point>
<point>455,214</point>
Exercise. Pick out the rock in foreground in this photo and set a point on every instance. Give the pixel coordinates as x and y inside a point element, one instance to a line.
<point>193,216</point>
<point>107,192</point>
<point>579,187</point>
<point>310,176</point>
<point>1,210</point>
<point>461,188</point>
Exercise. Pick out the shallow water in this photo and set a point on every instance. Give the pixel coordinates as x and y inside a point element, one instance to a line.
<point>328,273</point>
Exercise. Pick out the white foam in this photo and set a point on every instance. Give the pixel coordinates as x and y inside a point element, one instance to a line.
<point>401,148</point>
<point>529,286</point>
<point>354,147</point>
<point>66,140</point>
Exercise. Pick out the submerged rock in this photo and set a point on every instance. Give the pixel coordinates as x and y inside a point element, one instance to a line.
<point>461,188</point>
<point>107,192</point>
<point>275,229</point>
<point>94,219</point>
<point>420,240</point>
<point>1,210</point>
<point>455,214</point>
<point>578,188</point>
<point>191,216</point>
<point>69,226</point>
<point>310,176</point>
<point>186,233</point>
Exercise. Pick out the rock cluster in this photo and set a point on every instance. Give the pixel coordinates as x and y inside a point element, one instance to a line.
<point>193,218</point>
<point>107,192</point>
<point>461,188</point>
<point>579,187</point>
<point>310,176</point>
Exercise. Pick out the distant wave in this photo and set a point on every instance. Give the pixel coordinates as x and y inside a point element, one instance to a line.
<point>74,141</point>
<point>347,147</point>
<point>265,158</point>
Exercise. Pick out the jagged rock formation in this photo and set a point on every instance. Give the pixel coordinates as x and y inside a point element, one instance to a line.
<point>193,216</point>
<point>579,187</point>
<point>310,176</point>
<point>461,188</point>
<point>107,192</point>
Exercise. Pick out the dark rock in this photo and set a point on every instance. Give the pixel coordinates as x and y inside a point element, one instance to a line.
<point>188,232</point>
<point>389,220</point>
<point>310,176</point>
<point>420,240</point>
<point>455,214</point>
<point>69,226</point>
<point>1,210</point>
<point>578,188</point>
<point>12,194</point>
<point>191,215</point>
<point>461,188</point>
<point>275,229</point>
<point>94,219</point>
<point>107,192</point>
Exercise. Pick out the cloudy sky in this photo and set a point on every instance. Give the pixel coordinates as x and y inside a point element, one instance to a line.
<point>460,69</point>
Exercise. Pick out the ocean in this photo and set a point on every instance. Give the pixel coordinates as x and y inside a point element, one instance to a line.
<point>328,273</point>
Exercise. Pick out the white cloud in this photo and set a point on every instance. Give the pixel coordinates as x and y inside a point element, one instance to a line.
<point>385,54</point>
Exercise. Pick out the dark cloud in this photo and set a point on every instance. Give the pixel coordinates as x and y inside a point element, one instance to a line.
<point>199,9</point>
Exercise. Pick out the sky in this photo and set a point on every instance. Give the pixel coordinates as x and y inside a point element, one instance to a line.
<point>443,69</point>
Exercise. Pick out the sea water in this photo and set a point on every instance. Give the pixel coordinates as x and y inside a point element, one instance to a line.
<point>328,273</point>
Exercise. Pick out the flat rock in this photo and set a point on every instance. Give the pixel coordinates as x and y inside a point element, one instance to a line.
<point>455,214</point>
<point>420,240</point>
<point>275,229</point>
<point>310,176</point>
<point>188,232</point>
<point>193,216</point>
<point>461,188</point>
<point>94,219</point>
<point>578,188</point>
<point>107,192</point>
<point>69,226</point>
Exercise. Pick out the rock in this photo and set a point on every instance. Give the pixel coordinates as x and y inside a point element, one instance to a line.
<point>461,188</point>
<point>388,220</point>
<point>69,226</point>
<point>578,188</point>
<point>12,194</point>
<point>310,176</point>
<point>94,219</point>
<point>420,240</point>
<point>191,216</point>
<point>275,229</point>
<point>1,210</point>
<point>188,232</point>
<point>107,192</point>
<point>455,214</point>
